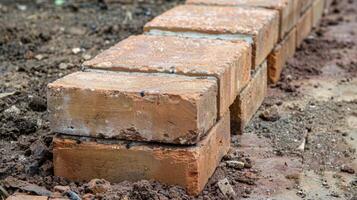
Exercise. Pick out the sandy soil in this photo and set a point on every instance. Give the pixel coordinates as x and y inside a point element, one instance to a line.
<point>300,145</point>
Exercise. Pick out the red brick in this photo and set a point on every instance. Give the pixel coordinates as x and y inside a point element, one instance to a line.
<point>304,27</point>
<point>278,57</point>
<point>133,106</point>
<point>229,62</point>
<point>287,9</point>
<point>317,11</point>
<point>249,100</point>
<point>187,166</point>
<point>258,25</point>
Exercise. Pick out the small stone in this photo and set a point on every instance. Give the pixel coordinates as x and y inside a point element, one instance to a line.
<point>347,169</point>
<point>270,114</point>
<point>98,186</point>
<point>21,7</point>
<point>63,66</point>
<point>77,50</point>
<point>62,189</point>
<point>12,111</point>
<point>76,31</point>
<point>226,188</point>
<point>39,57</point>
<point>235,164</point>
<point>294,176</point>
<point>86,56</point>
<point>72,195</point>
<point>6,94</point>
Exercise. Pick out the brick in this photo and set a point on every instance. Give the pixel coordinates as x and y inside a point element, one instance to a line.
<point>317,11</point>
<point>287,9</point>
<point>133,106</point>
<point>186,166</point>
<point>303,5</point>
<point>278,57</point>
<point>303,27</point>
<point>257,25</point>
<point>249,100</point>
<point>229,62</point>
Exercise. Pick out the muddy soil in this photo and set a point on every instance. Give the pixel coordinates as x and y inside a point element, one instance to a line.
<point>300,145</point>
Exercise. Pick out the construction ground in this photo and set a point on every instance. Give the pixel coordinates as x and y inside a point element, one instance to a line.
<point>301,144</point>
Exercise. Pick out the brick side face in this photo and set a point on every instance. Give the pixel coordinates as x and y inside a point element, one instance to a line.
<point>133,106</point>
<point>287,9</point>
<point>249,100</point>
<point>229,62</point>
<point>317,11</point>
<point>257,24</point>
<point>189,167</point>
<point>304,27</point>
<point>278,57</point>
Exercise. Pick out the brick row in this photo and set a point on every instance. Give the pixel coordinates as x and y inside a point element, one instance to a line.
<point>258,26</point>
<point>229,62</point>
<point>161,105</point>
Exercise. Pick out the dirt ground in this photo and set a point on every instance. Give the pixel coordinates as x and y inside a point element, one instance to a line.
<point>300,145</point>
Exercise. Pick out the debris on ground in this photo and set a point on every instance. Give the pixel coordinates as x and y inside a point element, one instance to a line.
<point>226,188</point>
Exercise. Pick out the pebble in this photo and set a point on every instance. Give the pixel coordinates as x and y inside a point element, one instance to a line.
<point>21,7</point>
<point>12,111</point>
<point>62,189</point>
<point>347,169</point>
<point>6,94</point>
<point>73,196</point>
<point>77,50</point>
<point>235,164</point>
<point>270,114</point>
<point>65,66</point>
<point>98,186</point>
<point>39,57</point>
<point>86,56</point>
<point>226,188</point>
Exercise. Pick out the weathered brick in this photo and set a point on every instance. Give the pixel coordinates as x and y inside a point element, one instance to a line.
<point>257,25</point>
<point>133,106</point>
<point>187,166</point>
<point>303,5</point>
<point>304,27</point>
<point>249,100</point>
<point>229,62</point>
<point>281,53</point>
<point>288,12</point>
<point>317,11</point>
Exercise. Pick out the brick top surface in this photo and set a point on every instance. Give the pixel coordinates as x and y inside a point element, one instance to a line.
<point>213,19</point>
<point>168,54</point>
<point>274,4</point>
<point>190,87</point>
